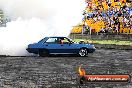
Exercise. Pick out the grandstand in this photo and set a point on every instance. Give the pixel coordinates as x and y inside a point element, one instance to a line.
<point>107,15</point>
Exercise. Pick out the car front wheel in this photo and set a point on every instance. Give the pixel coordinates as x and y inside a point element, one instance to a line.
<point>43,53</point>
<point>83,52</point>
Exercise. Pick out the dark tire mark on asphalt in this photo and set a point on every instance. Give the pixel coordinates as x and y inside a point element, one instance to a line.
<point>61,71</point>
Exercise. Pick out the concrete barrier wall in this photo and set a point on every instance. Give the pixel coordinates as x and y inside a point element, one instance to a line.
<point>103,36</point>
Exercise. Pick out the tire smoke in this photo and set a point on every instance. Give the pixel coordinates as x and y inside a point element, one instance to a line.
<point>32,20</point>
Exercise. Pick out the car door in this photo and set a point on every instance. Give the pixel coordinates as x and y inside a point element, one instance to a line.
<point>52,45</point>
<point>67,47</point>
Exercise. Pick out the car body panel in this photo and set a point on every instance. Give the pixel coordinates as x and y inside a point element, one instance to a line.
<point>55,48</point>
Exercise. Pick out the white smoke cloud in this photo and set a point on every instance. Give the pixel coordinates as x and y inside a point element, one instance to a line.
<point>34,19</point>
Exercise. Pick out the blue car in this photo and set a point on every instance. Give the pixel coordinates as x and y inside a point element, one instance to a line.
<point>60,45</point>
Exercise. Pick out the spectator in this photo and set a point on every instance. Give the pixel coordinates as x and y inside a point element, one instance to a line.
<point>114,16</point>
<point>102,30</point>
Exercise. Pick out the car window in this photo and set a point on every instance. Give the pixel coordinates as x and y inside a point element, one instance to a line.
<point>52,40</point>
<point>66,41</point>
<point>42,40</point>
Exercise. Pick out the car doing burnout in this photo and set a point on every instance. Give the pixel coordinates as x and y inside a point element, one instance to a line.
<point>60,45</point>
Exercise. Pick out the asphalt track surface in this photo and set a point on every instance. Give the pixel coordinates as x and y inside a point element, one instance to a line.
<point>62,71</point>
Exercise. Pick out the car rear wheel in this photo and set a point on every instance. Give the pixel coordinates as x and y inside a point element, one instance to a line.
<point>43,53</point>
<point>83,52</point>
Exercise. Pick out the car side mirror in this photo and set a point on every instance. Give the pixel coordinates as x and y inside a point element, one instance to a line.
<point>70,43</point>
